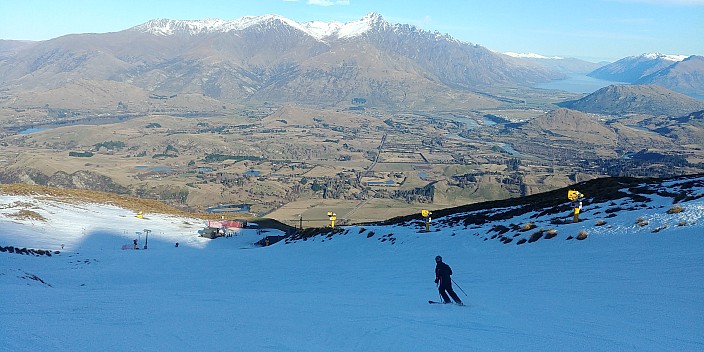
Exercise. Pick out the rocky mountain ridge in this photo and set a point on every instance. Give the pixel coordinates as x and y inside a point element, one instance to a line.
<point>262,59</point>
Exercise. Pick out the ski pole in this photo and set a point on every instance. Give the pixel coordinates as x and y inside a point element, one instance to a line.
<point>458,286</point>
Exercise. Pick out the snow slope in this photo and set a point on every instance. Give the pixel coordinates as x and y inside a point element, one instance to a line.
<point>629,286</point>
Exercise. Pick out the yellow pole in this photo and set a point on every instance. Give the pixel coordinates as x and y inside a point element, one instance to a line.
<point>332,217</point>
<point>426,214</point>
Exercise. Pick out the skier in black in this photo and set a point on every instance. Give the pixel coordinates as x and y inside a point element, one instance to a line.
<point>442,277</point>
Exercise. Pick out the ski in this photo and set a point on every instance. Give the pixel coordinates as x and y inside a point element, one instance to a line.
<point>436,302</point>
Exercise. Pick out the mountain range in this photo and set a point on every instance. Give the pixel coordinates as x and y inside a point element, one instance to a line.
<point>259,59</point>
<point>683,74</point>
<point>198,65</point>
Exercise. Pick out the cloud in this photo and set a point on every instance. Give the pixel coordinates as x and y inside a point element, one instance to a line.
<point>328,2</point>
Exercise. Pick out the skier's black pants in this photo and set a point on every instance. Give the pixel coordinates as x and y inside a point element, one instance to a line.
<point>444,290</point>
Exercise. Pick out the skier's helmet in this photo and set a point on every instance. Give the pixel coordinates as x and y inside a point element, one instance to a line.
<point>438,259</point>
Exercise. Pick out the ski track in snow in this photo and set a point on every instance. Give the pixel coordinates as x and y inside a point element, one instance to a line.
<point>626,287</point>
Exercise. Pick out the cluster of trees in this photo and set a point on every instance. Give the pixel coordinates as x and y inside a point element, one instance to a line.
<point>640,167</point>
<point>337,187</point>
<point>419,194</point>
<point>169,152</point>
<point>86,154</point>
<point>110,145</point>
<point>210,158</point>
<point>162,97</point>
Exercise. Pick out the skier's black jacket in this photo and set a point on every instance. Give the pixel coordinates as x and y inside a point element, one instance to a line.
<point>442,274</point>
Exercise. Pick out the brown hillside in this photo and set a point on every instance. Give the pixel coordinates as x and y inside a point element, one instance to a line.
<point>635,99</point>
<point>574,125</point>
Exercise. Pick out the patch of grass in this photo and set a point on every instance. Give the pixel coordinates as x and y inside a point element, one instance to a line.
<point>582,235</point>
<point>25,214</point>
<point>17,204</point>
<point>550,233</point>
<point>528,226</point>
<point>675,209</point>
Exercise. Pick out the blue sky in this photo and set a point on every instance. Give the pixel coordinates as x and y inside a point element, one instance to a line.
<point>592,30</point>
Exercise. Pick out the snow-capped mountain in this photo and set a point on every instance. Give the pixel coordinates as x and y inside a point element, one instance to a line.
<point>666,57</point>
<point>625,277</point>
<point>317,29</point>
<point>680,73</point>
<point>263,59</point>
<point>685,76</point>
<point>631,69</point>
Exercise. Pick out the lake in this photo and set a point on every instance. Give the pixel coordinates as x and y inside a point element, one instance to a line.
<point>578,83</point>
<point>153,168</point>
<point>32,130</point>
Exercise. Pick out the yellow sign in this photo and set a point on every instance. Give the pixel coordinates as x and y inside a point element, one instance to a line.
<point>425,213</point>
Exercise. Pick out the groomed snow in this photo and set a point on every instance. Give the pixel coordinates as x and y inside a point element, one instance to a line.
<point>624,288</point>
